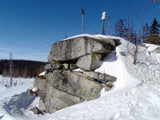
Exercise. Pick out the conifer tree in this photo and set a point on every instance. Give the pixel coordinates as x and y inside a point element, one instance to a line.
<point>155,27</point>
<point>154,37</point>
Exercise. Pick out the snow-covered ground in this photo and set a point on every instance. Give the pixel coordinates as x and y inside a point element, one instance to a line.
<point>14,100</point>
<point>135,95</point>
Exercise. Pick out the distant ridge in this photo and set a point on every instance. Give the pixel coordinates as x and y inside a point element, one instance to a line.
<point>22,68</point>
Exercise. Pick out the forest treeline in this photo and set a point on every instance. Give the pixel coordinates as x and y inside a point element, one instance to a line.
<point>21,68</point>
<point>148,33</point>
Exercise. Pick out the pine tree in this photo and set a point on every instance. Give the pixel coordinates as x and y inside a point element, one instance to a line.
<point>155,27</point>
<point>153,36</point>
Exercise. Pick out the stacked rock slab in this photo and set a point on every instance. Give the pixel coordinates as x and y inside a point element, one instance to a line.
<point>85,52</point>
<point>62,86</point>
<point>74,48</point>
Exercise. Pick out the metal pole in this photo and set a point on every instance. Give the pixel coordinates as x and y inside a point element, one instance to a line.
<point>109,26</point>
<point>82,12</point>
<point>83,23</point>
<point>103,26</point>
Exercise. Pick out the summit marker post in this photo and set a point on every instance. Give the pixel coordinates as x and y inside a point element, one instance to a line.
<point>82,12</point>
<point>103,19</point>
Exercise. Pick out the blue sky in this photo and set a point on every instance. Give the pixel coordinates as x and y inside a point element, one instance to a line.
<point>29,27</point>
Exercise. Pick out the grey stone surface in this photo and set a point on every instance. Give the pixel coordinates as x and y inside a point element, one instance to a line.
<point>89,62</point>
<point>74,84</point>
<point>47,66</point>
<point>107,41</point>
<point>52,66</point>
<point>77,47</point>
<point>106,77</point>
<point>63,88</point>
<point>157,50</point>
<point>36,110</point>
<point>66,66</point>
<point>109,84</point>
<point>106,87</point>
<point>40,84</point>
<point>57,99</point>
<point>41,105</point>
<point>57,65</point>
<point>100,76</point>
<point>42,87</point>
<point>70,66</point>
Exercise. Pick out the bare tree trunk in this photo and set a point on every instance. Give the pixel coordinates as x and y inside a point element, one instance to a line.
<point>10,69</point>
<point>135,55</point>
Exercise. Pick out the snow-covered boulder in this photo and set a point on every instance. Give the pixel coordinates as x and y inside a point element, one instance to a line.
<point>76,47</point>
<point>62,86</point>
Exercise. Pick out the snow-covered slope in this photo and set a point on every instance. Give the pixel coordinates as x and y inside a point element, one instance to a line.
<point>135,95</point>
<point>13,100</point>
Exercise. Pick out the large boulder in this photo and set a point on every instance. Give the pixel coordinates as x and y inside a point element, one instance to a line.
<point>74,48</point>
<point>57,99</point>
<point>62,86</point>
<point>89,62</point>
<point>66,88</point>
<point>74,84</point>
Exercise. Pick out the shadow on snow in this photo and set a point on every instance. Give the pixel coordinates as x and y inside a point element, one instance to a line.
<point>18,103</point>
